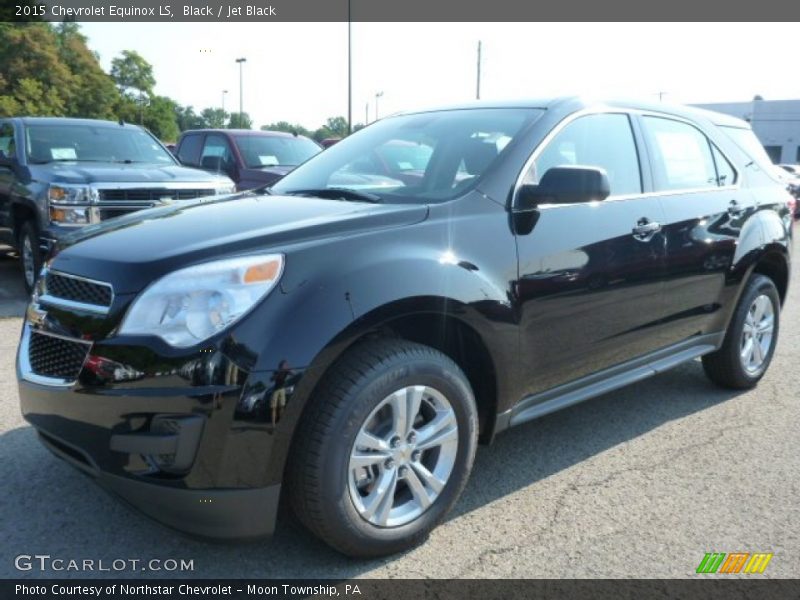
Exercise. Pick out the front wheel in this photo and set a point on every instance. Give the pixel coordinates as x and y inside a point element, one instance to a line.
<point>385,448</point>
<point>750,340</point>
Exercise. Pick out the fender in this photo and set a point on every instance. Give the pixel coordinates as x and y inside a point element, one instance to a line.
<point>763,235</point>
<point>310,326</point>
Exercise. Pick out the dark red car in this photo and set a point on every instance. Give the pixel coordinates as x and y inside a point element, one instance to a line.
<point>251,158</point>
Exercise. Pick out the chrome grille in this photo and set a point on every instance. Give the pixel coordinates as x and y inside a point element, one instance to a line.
<point>56,357</point>
<point>75,289</point>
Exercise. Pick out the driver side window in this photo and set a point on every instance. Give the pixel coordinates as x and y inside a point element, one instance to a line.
<point>603,140</point>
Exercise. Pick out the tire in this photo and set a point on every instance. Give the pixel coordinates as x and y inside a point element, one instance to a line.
<point>30,254</point>
<point>334,500</point>
<point>730,366</point>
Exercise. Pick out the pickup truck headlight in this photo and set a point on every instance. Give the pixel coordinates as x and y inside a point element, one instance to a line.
<point>189,306</point>
<point>67,193</point>
<point>69,203</point>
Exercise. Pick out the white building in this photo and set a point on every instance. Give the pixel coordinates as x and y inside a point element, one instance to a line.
<point>775,122</point>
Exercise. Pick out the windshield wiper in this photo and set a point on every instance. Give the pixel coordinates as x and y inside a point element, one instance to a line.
<point>53,160</point>
<point>337,194</point>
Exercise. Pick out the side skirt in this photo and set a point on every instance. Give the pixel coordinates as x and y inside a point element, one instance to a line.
<point>543,403</point>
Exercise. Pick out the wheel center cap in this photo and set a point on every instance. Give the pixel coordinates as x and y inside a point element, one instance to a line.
<point>402,454</point>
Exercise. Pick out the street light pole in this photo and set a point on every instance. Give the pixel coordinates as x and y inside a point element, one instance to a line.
<point>349,72</point>
<point>478,86</point>
<point>366,114</point>
<point>377,95</point>
<point>223,100</point>
<point>241,62</point>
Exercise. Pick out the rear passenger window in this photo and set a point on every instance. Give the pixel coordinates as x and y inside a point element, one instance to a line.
<point>603,140</point>
<point>726,175</point>
<point>189,152</point>
<point>681,155</point>
<point>7,140</point>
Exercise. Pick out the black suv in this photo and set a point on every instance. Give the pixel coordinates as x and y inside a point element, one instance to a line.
<point>59,174</point>
<point>350,345</point>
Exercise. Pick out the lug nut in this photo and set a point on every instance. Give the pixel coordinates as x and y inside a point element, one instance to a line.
<point>402,471</point>
<point>389,464</point>
<point>412,437</point>
<point>416,455</point>
<point>395,442</point>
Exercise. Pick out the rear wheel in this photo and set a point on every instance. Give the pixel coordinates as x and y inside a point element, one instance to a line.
<point>750,340</point>
<point>385,449</point>
<point>30,254</point>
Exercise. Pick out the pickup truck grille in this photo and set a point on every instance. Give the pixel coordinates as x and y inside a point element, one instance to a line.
<point>151,195</point>
<point>78,290</point>
<point>55,357</point>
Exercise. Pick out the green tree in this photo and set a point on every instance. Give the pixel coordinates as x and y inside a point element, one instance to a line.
<point>287,127</point>
<point>134,77</point>
<point>240,121</point>
<point>159,117</point>
<point>214,118</point>
<point>35,77</point>
<point>92,93</point>
<point>335,127</point>
<point>188,119</point>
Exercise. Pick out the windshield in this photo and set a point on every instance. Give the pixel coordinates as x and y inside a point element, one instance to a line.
<point>79,143</point>
<point>748,142</point>
<point>274,151</point>
<point>425,157</point>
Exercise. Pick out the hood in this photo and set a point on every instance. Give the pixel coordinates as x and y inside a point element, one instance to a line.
<point>145,173</point>
<point>132,251</point>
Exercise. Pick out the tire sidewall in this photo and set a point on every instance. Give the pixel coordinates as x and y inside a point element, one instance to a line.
<point>432,373</point>
<point>29,230</point>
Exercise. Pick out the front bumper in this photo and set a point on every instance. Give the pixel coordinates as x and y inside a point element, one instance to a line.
<point>109,431</point>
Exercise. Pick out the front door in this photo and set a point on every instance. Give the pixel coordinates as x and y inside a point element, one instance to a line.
<point>591,274</point>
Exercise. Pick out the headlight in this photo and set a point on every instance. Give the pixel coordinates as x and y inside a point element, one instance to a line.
<point>188,306</point>
<point>67,193</point>
<point>71,215</point>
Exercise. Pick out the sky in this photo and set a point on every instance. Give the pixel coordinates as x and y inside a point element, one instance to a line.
<point>297,72</point>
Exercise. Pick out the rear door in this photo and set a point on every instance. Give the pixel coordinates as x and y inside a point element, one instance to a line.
<point>704,208</point>
<point>590,275</point>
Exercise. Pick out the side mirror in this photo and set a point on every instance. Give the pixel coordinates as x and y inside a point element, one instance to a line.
<point>566,185</point>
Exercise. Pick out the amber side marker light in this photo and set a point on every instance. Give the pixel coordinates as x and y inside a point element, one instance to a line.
<point>260,273</point>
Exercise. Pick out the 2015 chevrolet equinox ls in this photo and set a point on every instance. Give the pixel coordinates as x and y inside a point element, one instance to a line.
<point>349,338</point>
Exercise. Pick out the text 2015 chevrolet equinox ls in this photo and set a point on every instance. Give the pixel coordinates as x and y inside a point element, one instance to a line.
<point>350,343</point>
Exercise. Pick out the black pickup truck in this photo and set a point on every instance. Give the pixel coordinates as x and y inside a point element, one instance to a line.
<point>59,174</point>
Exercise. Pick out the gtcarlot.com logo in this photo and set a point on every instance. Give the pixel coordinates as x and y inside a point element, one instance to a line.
<point>46,562</point>
<point>734,562</point>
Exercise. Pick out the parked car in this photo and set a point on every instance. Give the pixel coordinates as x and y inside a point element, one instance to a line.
<point>58,174</point>
<point>349,347</point>
<point>792,183</point>
<point>251,158</point>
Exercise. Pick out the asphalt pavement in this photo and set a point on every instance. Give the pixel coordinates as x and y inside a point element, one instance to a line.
<point>641,482</point>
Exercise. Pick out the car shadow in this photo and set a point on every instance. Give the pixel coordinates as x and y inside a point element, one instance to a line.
<point>13,297</point>
<point>52,509</point>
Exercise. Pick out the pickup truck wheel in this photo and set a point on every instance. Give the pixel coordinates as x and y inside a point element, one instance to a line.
<point>385,448</point>
<point>750,340</point>
<point>30,254</point>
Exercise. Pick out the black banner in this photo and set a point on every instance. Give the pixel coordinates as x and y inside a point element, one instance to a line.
<point>392,11</point>
<point>398,589</point>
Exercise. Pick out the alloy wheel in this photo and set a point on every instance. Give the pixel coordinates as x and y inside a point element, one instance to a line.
<point>403,456</point>
<point>757,333</point>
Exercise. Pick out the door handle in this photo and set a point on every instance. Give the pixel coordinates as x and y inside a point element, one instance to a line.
<point>645,229</point>
<point>735,209</point>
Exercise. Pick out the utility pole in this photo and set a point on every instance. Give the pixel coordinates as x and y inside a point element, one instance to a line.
<point>224,92</point>
<point>366,115</point>
<point>241,62</point>
<point>349,71</point>
<point>478,88</point>
<point>377,95</point>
